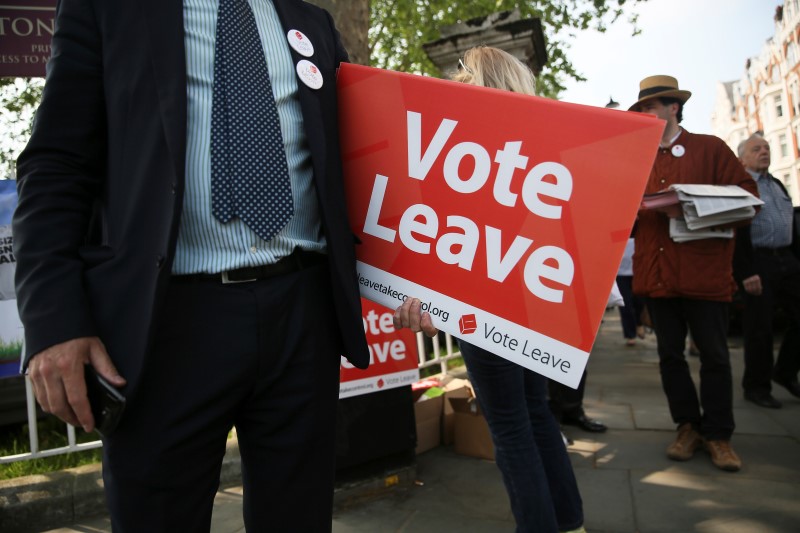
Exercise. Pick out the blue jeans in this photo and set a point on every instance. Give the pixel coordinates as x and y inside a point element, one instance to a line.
<point>529,450</point>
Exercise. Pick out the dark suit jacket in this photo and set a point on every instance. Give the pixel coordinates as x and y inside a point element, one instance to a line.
<point>744,264</point>
<point>101,181</point>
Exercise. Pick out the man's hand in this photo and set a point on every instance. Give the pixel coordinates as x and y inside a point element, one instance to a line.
<point>410,315</point>
<point>58,382</point>
<point>752,285</point>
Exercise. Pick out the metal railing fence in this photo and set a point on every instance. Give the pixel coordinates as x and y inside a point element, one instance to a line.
<point>437,355</point>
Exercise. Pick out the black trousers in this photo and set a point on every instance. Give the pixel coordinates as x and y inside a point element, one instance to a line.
<point>566,401</point>
<point>780,280</point>
<point>712,412</point>
<point>262,357</point>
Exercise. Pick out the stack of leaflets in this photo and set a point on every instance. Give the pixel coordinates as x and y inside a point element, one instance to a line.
<point>705,207</point>
<point>679,232</point>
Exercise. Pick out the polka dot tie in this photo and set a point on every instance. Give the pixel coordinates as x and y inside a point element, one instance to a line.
<point>249,176</point>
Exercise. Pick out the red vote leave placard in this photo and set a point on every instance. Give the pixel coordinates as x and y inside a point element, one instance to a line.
<point>505,214</point>
<point>394,356</point>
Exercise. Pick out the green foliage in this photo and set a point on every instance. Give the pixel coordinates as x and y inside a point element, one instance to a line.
<point>18,99</point>
<point>398,28</point>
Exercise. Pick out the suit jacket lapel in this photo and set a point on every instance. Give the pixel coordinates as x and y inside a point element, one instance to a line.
<point>165,43</point>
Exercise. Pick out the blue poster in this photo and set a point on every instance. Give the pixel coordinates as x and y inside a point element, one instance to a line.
<point>10,325</point>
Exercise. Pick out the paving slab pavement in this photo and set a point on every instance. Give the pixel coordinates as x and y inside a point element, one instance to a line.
<point>627,483</point>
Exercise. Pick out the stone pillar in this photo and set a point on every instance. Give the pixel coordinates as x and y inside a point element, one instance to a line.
<point>522,38</point>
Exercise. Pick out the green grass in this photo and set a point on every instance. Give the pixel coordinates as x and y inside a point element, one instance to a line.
<point>52,434</point>
<point>10,351</point>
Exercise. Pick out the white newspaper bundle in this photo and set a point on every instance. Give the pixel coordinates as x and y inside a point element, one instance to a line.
<point>708,206</point>
<point>714,205</point>
<point>679,232</point>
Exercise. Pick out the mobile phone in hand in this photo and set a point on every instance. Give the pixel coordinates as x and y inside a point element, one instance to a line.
<point>106,401</point>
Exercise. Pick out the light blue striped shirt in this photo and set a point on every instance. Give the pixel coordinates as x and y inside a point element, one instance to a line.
<point>205,244</point>
<point>772,225</point>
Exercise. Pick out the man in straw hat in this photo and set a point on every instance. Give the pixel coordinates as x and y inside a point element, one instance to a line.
<point>688,285</point>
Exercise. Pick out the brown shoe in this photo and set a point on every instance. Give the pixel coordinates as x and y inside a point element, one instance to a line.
<point>723,456</point>
<point>687,441</point>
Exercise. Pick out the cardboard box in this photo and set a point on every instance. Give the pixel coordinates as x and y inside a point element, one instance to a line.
<point>472,435</point>
<point>456,388</point>
<point>428,414</point>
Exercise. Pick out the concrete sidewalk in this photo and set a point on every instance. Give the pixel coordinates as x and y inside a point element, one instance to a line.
<point>627,483</point>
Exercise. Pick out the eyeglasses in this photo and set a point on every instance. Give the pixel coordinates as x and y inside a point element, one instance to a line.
<point>461,66</point>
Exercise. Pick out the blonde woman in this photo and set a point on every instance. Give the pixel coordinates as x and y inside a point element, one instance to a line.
<point>529,448</point>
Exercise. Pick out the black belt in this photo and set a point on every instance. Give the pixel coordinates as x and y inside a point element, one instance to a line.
<point>786,250</point>
<point>297,260</point>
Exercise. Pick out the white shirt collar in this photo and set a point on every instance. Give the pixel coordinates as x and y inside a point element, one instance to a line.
<point>672,141</point>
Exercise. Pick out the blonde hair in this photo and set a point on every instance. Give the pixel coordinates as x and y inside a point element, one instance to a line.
<point>491,67</point>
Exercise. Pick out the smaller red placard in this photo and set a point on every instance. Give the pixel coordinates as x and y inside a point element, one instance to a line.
<point>393,354</point>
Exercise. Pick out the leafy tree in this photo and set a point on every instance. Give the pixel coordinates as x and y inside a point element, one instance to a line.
<point>398,28</point>
<point>352,21</point>
<point>18,98</point>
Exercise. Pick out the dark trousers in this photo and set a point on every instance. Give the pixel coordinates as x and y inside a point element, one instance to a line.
<point>672,318</point>
<point>566,401</point>
<point>262,357</point>
<point>630,312</point>
<point>780,281</point>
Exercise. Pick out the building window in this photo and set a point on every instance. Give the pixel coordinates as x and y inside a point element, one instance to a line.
<point>779,106</point>
<point>791,53</point>
<point>797,138</point>
<point>784,145</point>
<point>795,92</point>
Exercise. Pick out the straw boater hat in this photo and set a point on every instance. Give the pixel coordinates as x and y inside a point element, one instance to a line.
<point>659,87</point>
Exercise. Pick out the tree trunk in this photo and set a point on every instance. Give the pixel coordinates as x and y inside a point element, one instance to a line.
<point>352,20</point>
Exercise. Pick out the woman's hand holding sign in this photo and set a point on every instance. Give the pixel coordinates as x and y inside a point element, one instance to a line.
<point>410,315</point>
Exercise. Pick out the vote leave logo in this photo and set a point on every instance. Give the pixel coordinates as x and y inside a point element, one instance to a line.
<point>481,201</point>
<point>467,324</point>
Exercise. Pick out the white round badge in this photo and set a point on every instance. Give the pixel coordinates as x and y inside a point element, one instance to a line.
<point>300,43</point>
<point>309,74</point>
<point>678,150</point>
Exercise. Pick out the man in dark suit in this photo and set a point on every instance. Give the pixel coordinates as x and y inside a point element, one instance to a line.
<point>203,319</point>
<point>769,274</point>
